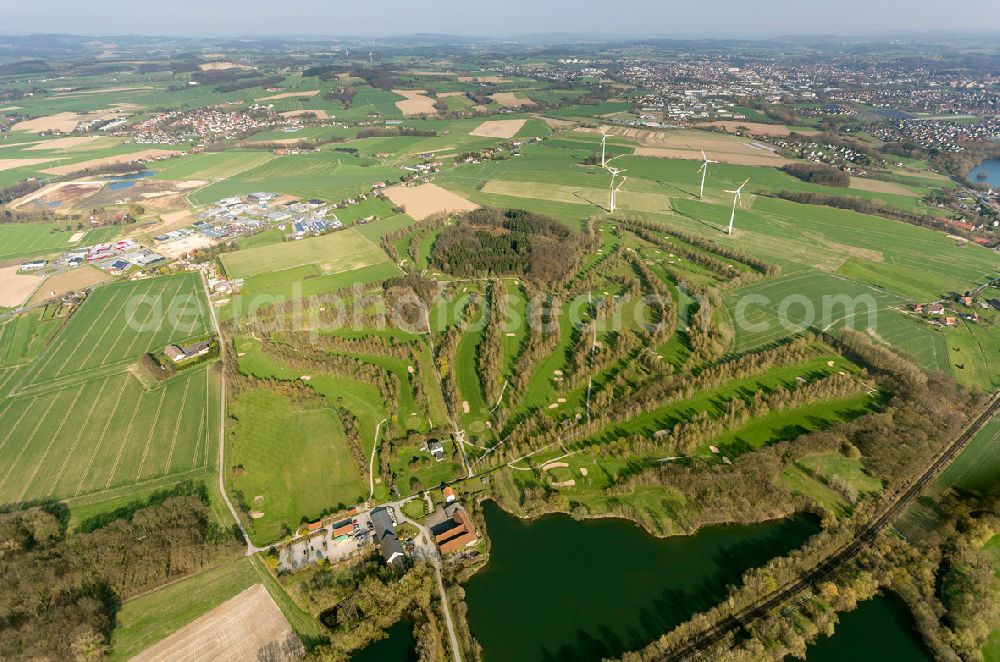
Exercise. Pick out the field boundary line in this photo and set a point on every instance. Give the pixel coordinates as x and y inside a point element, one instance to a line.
<point>149,439</point>
<point>104,434</point>
<point>177,428</point>
<point>168,481</point>
<point>48,448</point>
<point>76,441</point>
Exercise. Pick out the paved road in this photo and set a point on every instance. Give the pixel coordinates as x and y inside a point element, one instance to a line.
<point>426,548</point>
<point>735,623</point>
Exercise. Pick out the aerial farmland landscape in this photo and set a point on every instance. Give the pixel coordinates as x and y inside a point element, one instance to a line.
<point>550,332</point>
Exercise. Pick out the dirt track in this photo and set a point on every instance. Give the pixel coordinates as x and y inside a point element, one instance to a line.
<point>247,627</point>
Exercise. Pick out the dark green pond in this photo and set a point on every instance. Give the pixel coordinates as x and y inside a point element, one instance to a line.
<point>559,589</point>
<point>880,629</point>
<point>399,647</point>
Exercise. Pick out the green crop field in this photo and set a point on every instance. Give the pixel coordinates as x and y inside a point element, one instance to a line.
<point>101,434</point>
<point>121,321</point>
<point>333,253</point>
<point>25,240</point>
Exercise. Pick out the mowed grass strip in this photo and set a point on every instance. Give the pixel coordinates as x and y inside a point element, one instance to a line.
<point>101,434</point>
<point>333,253</point>
<point>121,322</point>
<point>297,461</point>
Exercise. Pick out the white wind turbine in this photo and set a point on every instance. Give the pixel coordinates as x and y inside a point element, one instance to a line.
<point>737,197</point>
<point>704,172</point>
<point>614,190</point>
<point>604,144</point>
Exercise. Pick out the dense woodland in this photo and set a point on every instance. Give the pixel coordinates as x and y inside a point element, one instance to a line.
<point>60,593</point>
<point>492,242</point>
<point>818,174</point>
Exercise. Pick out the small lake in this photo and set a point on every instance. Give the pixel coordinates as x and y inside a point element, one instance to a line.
<point>127,180</point>
<point>991,169</point>
<point>399,647</point>
<point>878,630</point>
<point>560,589</point>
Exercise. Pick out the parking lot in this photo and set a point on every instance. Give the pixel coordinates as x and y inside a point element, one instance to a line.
<point>322,544</point>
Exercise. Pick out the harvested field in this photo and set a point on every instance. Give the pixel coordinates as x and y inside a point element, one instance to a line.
<point>445,95</point>
<point>10,164</point>
<point>144,155</point>
<point>427,200</point>
<point>69,281</point>
<point>67,122</point>
<point>689,145</point>
<point>510,100</point>
<point>481,79</point>
<point>102,90</point>
<point>762,159</point>
<point>498,128</point>
<point>416,103</point>
<point>15,288</point>
<point>756,128</point>
<point>60,196</point>
<point>223,66</point>
<point>877,186</point>
<point>247,627</point>
<point>63,143</point>
<point>290,95</point>
<point>320,114</point>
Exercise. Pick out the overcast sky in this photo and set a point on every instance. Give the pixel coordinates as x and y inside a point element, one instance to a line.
<point>724,18</point>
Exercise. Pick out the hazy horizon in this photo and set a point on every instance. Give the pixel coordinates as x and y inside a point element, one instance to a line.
<point>730,19</point>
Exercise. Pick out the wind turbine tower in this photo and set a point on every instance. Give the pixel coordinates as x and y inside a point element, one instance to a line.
<point>604,144</point>
<point>704,172</point>
<point>614,190</point>
<point>737,197</point>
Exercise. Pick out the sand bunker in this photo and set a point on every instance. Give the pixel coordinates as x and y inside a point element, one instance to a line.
<point>498,129</point>
<point>416,103</point>
<point>554,465</point>
<point>427,200</point>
